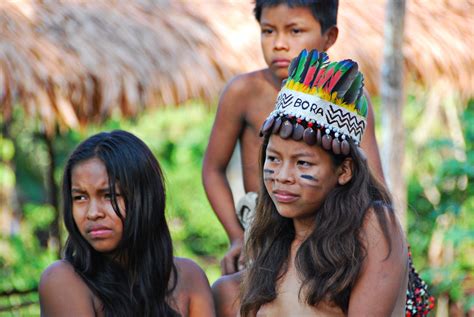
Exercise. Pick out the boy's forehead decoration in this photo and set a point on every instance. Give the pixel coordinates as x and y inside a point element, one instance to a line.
<point>321,102</point>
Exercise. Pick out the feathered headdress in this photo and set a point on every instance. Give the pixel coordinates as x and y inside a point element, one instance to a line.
<point>321,102</point>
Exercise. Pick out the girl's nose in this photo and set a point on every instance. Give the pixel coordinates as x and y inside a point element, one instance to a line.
<point>94,210</point>
<point>285,174</point>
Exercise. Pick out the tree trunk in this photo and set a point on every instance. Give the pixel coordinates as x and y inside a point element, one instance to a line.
<point>392,94</point>
<point>55,228</point>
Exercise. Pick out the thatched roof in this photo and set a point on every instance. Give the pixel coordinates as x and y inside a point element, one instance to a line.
<point>439,37</point>
<point>78,60</point>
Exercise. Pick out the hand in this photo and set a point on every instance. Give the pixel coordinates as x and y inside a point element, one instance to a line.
<point>233,260</point>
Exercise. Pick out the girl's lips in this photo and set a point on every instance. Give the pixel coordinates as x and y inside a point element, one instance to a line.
<point>285,197</point>
<point>100,233</point>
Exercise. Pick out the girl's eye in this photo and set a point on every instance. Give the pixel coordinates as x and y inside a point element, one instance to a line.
<point>267,31</point>
<point>296,31</point>
<point>78,197</point>
<point>304,163</point>
<point>271,158</point>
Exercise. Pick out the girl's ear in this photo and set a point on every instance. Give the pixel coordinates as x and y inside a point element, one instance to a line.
<point>345,171</point>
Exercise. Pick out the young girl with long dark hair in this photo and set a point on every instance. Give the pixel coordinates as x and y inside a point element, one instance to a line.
<point>118,256</point>
<point>325,240</point>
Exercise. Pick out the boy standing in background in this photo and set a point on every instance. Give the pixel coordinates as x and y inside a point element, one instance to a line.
<point>287,27</point>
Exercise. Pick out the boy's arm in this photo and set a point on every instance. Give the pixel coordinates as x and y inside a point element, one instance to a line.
<point>225,133</point>
<point>369,143</point>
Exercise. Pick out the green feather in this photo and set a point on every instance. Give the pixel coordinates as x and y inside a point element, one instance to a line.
<point>349,71</point>
<point>301,65</point>
<point>353,92</point>
<point>362,106</point>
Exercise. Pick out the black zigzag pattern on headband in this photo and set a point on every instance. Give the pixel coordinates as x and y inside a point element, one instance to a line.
<point>284,100</point>
<point>340,119</point>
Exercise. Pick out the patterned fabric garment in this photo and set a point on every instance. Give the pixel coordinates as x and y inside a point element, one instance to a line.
<point>419,301</point>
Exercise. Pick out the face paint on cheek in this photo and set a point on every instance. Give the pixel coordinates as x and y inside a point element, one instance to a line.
<point>268,172</point>
<point>311,179</point>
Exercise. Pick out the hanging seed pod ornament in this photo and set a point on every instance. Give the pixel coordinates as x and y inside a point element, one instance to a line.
<point>298,131</point>
<point>309,136</point>
<point>277,125</point>
<point>321,103</point>
<point>286,129</point>
<point>267,125</point>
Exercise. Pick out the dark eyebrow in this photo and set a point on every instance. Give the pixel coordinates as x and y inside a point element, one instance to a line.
<point>101,190</point>
<point>303,154</point>
<point>270,149</point>
<point>104,190</point>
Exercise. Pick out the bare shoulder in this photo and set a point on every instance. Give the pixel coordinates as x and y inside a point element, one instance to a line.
<point>228,283</point>
<point>239,93</point>
<point>60,273</point>
<point>62,291</point>
<point>380,289</point>
<point>226,292</point>
<point>381,222</point>
<point>189,270</point>
<point>194,285</point>
<point>247,82</point>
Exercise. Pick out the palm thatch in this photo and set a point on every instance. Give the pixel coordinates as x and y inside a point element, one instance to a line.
<point>437,48</point>
<point>75,61</point>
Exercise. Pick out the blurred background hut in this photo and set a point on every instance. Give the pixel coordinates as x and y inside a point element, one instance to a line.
<point>69,64</point>
<point>78,60</point>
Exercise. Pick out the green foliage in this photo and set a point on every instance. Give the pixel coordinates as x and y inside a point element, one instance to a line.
<point>7,151</point>
<point>22,260</point>
<point>441,202</point>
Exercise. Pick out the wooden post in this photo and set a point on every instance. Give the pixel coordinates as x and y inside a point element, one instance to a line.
<point>55,229</point>
<point>392,94</point>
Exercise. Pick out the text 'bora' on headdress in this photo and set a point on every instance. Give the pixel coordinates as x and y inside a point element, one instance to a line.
<point>321,102</point>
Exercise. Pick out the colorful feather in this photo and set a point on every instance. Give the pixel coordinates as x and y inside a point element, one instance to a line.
<point>353,91</point>
<point>326,75</point>
<point>313,66</point>
<point>338,72</point>
<point>301,65</point>
<point>362,106</point>
<point>323,61</point>
<point>351,69</point>
<point>292,67</point>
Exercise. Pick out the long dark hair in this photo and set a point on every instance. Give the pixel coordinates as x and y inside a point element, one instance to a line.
<point>329,260</point>
<point>140,283</point>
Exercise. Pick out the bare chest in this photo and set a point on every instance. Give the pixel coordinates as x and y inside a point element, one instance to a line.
<point>257,111</point>
<point>289,303</point>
